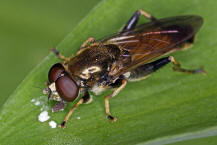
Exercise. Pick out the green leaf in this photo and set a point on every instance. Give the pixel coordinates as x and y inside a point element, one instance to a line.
<point>168,107</point>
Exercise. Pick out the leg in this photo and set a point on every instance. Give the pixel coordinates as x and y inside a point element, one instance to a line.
<point>131,24</point>
<point>63,124</point>
<point>108,114</point>
<point>177,67</point>
<point>85,43</point>
<point>145,70</point>
<point>85,99</point>
<point>59,55</point>
<point>89,40</point>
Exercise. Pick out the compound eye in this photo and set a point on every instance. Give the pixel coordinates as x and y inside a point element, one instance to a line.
<point>66,88</point>
<point>55,72</point>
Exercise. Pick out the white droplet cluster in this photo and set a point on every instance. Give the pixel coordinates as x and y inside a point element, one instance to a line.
<point>37,103</point>
<point>43,116</point>
<point>52,124</point>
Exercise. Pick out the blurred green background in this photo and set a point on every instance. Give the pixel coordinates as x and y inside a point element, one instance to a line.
<point>28,29</point>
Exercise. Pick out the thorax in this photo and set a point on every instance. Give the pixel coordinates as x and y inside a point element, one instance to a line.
<point>91,64</point>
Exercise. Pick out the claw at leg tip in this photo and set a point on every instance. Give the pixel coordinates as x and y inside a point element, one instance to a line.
<point>112,119</point>
<point>202,70</point>
<point>62,125</point>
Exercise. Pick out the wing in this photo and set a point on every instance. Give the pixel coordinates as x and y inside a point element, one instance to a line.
<point>151,40</point>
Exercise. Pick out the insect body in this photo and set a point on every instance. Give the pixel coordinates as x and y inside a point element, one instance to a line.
<point>127,56</point>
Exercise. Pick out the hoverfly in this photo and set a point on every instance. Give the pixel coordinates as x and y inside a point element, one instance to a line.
<point>126,56</point>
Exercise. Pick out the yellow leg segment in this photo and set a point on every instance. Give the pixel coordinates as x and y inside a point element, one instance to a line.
<point>107,109</point>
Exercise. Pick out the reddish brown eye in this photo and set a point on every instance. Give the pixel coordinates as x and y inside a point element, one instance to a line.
<point>67,88</point>
<point>54,72</point>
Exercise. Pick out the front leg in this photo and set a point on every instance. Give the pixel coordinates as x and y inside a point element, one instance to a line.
<point>59,55</point>
<point>89,40</point>
<point>63,124</point>
<point>84,44</point>
<point>84,100</point>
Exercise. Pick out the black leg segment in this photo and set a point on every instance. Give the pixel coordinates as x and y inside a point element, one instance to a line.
<point>131,24</point>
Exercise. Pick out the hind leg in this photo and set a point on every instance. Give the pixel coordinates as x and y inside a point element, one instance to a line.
<point>145,70</point>
<point>177,67</point>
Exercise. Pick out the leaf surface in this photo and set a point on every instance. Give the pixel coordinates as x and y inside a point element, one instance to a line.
<point>164,106</point>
